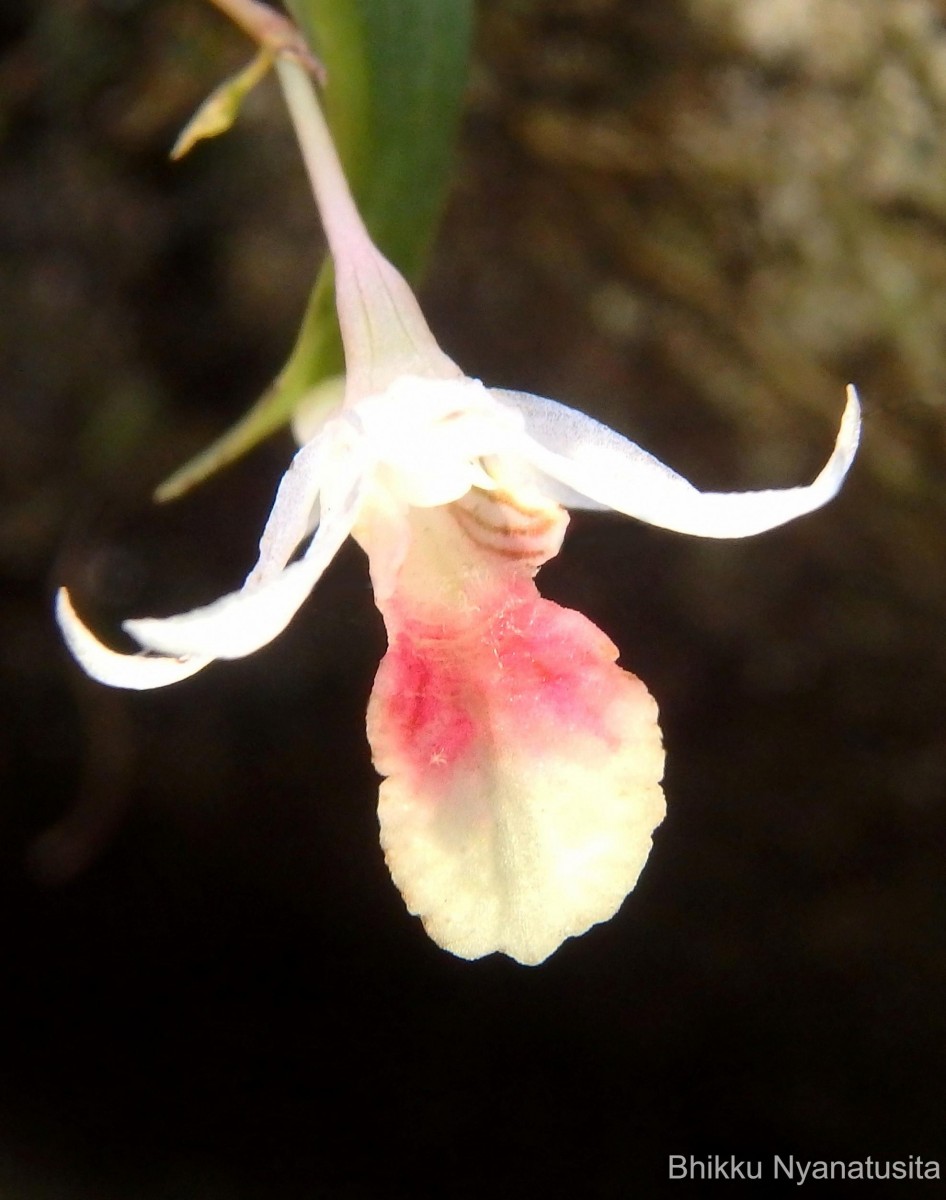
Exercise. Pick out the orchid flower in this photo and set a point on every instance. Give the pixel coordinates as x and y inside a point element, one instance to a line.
<point>521,764</point>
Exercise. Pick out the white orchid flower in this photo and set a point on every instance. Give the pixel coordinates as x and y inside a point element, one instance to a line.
<point>521,765</point>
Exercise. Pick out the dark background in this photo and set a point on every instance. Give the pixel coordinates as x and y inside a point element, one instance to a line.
<point>697,220</point>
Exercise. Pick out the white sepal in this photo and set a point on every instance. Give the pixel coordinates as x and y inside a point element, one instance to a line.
<point>139,672</point>
<point>242,622</point>
<point>582,460</point>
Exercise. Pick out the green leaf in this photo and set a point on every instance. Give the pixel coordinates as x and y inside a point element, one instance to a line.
<point>396,72</point>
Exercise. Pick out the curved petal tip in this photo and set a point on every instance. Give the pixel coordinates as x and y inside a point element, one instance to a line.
<point>849,435</point>
<point>137,671</point>
<point>599,466</point>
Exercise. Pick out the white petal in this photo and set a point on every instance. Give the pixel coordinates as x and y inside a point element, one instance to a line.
<point>290,520</point>
<point>137,671</point>
<point>243,621</point>
<point>431,434</point>
<point>333,459</point>
<point>595,463</point>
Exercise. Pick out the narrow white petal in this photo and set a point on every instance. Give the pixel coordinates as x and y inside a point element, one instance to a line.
<point>137,671</point>
<point>584,460</point>
<point>242,622</point>
<point>290,520</point>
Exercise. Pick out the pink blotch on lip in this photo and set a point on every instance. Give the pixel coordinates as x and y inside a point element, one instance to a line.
<point>524,672</point>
